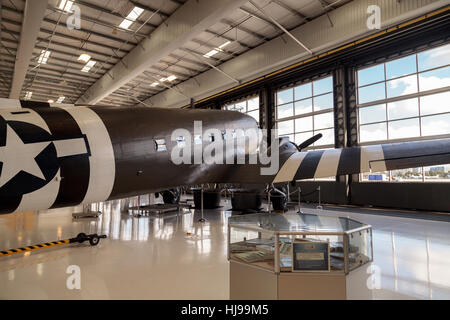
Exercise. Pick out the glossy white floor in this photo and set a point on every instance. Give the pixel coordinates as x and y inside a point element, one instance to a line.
<point>156,258</point>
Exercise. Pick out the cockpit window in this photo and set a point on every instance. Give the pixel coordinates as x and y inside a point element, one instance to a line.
<point>198,139</point>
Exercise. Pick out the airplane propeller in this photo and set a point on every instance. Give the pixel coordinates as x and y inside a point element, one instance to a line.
<point>305,145</point>
<point>309,142</point>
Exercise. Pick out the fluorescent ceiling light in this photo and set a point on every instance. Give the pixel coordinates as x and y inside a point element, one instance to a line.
<point>154,84</point>
<point>44,56</point>
<point>132,16</point>
<point>216,50</point>
<point>135,13</point>
<point>51,101</point>
<point>84,57</point>
<point>171,78</point>
<point>163,80</point>
<point>60,99</point>
<point>125,24</point>
<point>211,53</point>
<point>28,95</point>
<point>65,5</point>
<point>224,45</point>
<point>88,66</point>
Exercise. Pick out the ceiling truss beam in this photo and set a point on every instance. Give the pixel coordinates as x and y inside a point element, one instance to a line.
<point>33,16</point>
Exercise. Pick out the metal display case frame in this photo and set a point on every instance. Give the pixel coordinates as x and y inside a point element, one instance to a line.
<point>260,223</point>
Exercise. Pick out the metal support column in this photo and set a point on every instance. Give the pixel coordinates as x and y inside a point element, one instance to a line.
<point>352,120</point>
<point>345,116</point>
<point>267,105</point>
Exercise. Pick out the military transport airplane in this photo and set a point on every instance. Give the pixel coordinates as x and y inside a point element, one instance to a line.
<point>60,156</point>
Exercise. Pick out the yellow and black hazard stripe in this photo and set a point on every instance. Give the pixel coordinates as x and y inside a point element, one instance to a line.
<point>80,238</point>
<point>34,247</point>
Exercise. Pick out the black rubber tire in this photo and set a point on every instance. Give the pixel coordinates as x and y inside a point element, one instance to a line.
<point>94,240</point>
<point>246,201</point>
<point>211,199</point>
<point>171,196</point>
<point>81,235</point>
<point>279,202</point>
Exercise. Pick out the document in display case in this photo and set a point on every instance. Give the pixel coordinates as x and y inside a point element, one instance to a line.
<point>310,256</point>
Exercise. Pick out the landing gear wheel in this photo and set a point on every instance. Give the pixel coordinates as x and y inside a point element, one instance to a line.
<point>82,237</point>
<point>279,202</point>
<point>94,240</point>
<point>171,196</point>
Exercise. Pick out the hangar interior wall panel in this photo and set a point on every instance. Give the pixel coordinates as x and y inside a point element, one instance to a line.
<point>331,192</point>
<point>420,196</point>
<point>349,23</point>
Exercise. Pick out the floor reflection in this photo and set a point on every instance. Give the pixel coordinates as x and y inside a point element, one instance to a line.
<point>173,255</point>
<point>413,266</point>
<point>413,255</point>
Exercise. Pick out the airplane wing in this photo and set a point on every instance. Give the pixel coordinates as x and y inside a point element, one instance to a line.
<point>375,158</point>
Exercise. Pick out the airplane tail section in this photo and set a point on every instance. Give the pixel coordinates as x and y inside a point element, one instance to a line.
<point>375,158</point>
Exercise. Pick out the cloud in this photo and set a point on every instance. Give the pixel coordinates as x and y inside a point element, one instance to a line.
<point>435,103</point>
<point>432,82</point>
<point>434,58</point>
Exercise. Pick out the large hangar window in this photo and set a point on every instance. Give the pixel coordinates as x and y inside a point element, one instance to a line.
<point>406,99</point>
<point>248,106</point>
<point>307,110</point>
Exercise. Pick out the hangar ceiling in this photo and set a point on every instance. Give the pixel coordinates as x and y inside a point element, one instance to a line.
<point>106,37</point>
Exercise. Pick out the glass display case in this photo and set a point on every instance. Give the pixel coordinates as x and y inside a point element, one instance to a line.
<point>285,243</point>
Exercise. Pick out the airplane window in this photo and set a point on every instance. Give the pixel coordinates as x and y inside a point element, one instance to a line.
<point>20,112</point>
<point>198,139</point>
<point>160,145</point>
<point>181,142</point>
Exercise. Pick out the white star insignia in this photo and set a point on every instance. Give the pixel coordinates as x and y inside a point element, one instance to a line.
<point>17,156</point>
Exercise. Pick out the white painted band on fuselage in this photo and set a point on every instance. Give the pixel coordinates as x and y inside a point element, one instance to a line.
<point>328,164</point>
<point>372,159</point>
<point>46,196</point>
<point>102,161</point>
<point>290,168</point>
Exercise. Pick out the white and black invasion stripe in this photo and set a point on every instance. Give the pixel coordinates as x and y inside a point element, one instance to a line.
<point>375,158</point>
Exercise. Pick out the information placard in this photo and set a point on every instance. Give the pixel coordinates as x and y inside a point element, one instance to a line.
<point>310,256</point>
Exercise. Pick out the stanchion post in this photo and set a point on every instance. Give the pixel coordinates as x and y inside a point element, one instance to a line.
<point>277,254</point>
<point>202,219</point>
<point>299,200</point>
<point>320,203</point>
<point>288,193</point>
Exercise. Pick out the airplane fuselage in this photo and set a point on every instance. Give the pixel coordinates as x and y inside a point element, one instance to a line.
<point>65,156</point>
